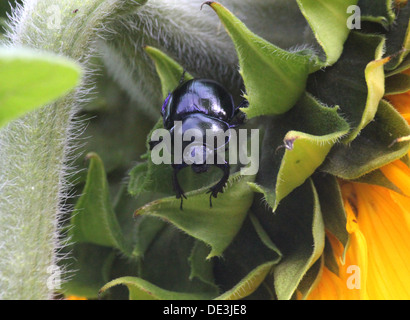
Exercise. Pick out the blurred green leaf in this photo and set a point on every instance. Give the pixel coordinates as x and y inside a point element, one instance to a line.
<point>30,79</point>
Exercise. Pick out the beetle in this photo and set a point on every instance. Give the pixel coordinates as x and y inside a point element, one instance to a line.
<point>201,104</point>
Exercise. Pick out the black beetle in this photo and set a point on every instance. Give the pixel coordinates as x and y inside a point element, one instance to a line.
<point>201,104</point>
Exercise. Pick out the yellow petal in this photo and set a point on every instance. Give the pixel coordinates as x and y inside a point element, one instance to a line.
<point>385,226</point>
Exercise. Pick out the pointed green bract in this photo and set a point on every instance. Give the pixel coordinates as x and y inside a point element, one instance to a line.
<point>307,133</point>
<point>379,11</point>
<point>274,78</point>
<point>328,20</point>
<point>94,219</point>
<point>30,79</point>
<point>373,148</point>
<point>168,69</point>
<point>215,226</point>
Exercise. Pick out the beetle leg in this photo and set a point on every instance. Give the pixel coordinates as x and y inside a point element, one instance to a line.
<point>218,188</point>
<point>177,187</point>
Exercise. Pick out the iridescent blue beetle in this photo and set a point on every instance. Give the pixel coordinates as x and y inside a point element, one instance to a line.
<point>201,104</point>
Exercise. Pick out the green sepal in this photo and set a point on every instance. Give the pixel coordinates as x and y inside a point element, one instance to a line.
<point>169,71</point>
<point>94,220</point>
<point>31,79</point>
<point>307,133</point>
<point>201,267</point>
<point>355,83</point>
<point>299,211</point>
<point>376,177</point>
<point>373,148</point>
<point>379,11</point>
<point>284,73</point>
<point>215,226</point>
<point>247,261</point>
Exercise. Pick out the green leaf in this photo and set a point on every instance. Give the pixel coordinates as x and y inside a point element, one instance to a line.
<point>94,220</point>
<point>328,20</point>
<point>246,262</point>
<point>30,79</point>
<point>169,70</point>
<point>299,211</point>
<point>355,83</point>
<point>284,73</point>
<point>140,289</point>
<point>308,131</point>
<point>215,226</point>
<point>373,148</point>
